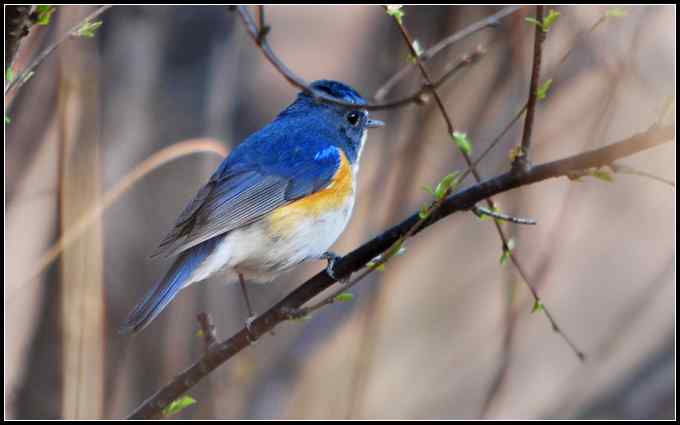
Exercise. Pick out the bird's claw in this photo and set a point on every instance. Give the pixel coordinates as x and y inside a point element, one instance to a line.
<point>332,258</point>
<point>249,332</point>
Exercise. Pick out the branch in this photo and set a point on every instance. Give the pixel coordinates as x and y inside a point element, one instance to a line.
<point>488,22</point>
<point>521,162</point>
<point>519,114</point>
<point>19,81</point>
<point>471,167</point>
<point>624,169</point>
<point>18,24</point>
<point>481,212</point>
<point>260,39</point>
<point>357,259</point>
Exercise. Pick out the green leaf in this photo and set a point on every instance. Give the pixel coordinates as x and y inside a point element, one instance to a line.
<point>178,405</point>
<point>616,12</point>
<point>345,296</point>
<point>534,21</point>
<point>45,12</point>
<point>445,184</point>
<point>462,141</point>
<point>424,212</point>
<point>373,265</point>
<point>602,175</point>
<point>549,20</point>
<point>27,77</point>
<point>538,306</point>
<point>9,75</point>
<point>506,252</point>
<point>515,152</point>
<point>542,91</point>
<point>429,190</point>
<point>88,29</point>
<point>395,11</point>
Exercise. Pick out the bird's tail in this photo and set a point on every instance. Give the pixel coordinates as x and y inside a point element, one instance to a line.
<point>166,289</point>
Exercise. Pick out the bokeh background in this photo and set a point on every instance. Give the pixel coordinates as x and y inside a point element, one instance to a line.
<point>446,331</point>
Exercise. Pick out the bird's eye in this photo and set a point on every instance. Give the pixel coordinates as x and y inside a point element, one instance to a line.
<point>354,117</point>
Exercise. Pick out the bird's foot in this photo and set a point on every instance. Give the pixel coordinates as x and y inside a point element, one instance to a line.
<point>332,258</point>
<point>249,332</point>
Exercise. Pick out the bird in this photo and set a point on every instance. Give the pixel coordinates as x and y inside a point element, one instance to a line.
<point>283,196</point>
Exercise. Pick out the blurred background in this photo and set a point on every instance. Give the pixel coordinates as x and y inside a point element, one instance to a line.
<point>445,331</point>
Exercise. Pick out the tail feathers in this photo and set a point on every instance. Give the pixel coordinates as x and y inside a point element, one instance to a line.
<point>165,291</point>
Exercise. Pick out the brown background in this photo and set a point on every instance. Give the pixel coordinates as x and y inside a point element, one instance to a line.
<point>425,339</point>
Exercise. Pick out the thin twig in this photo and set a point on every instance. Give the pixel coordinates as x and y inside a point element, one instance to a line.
<point>494,142</point>
<point>488,22</point>
<point>481,212</point>
<point>332,298</point>
<point>355,260</point>
<point>19,81</point>
<point>382,259</point>
<point>518,115</point>
<point>504,240</point>
<point>263,27</point>
<point>521,162</point>
<point>301,84</point>
<point>624,169</point>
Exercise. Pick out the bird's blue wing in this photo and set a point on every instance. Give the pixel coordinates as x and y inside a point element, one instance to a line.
<point>264,173</point>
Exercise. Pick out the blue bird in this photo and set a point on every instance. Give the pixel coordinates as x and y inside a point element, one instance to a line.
<point>281,197</point>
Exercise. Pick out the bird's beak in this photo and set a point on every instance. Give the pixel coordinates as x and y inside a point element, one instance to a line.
<point>374,123</point>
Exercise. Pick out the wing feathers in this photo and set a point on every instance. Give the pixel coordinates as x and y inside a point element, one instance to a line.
<point>233,199</point>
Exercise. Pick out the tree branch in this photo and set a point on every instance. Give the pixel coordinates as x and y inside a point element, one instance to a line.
<point>260,39</point>
<point>490,203</point>
<point>18,24</point>
<point>521,162</point>
<point>488,22</point>
<point>357,259</point>
<point>19,81</point>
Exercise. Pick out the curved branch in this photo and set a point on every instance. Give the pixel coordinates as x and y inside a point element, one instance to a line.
<point>72,234</point>
<point>488,22</point>
<point>260,40</point>
<point>357,259</point>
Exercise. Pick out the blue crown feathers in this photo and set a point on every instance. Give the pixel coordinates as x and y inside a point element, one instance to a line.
<point>338,90</point>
